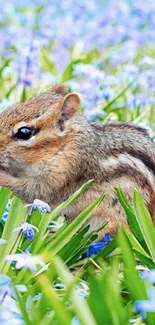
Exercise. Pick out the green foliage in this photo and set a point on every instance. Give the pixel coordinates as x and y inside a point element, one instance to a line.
<point>98,290</point>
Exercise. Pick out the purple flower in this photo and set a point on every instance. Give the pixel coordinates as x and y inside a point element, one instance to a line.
<point>138,100</point>
<point>126,53</point>
<point>6,288</point>
<point>27,229</point>
<point>9,311</point>
<point>3,241</point>
<point>42,206</point>
<point>97,247</point>
<point>149,275</point>
<point>144,306</point>
<point>29,233</point>
<point>108,93</point>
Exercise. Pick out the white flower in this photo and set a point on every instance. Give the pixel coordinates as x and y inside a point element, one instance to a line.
<point>147,61</point>
<point>3,241</point>
<point>55,225</point>
<point>25,261</point>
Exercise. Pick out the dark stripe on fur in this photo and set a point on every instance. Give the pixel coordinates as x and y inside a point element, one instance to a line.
<point>111,126</point>
<point>131,173</point>
<point>118,125</point>
<point>144,158</point>
<point>135,176</point>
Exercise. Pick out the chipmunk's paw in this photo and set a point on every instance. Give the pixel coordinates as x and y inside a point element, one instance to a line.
<point>42,206</point>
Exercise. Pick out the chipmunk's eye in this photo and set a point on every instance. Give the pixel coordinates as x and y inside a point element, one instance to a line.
<point>24,133</point>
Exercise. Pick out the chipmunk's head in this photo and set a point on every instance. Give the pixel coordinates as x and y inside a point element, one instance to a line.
<point>38,135</point>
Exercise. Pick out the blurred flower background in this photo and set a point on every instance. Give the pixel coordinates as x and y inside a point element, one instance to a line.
<point>99,48</point>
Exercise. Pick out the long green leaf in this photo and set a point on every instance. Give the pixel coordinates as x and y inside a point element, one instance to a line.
<point>108,106</point>
<point>145,223</point>
<point>144,259</point>
<point>73,227</point>
<point>16,217</point>
<point>4,197</point>
<point>83,311</point>
<point>134,242</point>
<point>130,213</point>
<point>61,313</point>
<point>51,216</point>
<point>133,281</point>
<point>22,308</point>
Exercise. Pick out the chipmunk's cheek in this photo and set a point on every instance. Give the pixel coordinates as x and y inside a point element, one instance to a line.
<point>4,163</point>
<point>10,163</point>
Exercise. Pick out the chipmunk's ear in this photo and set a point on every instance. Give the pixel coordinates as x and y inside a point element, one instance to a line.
<point>70,106</point>
<point>60,89</point>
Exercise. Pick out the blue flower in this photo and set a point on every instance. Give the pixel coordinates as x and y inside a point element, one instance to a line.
<point>149,275</point>
<point>42,206</point>
<point>7,291</point>
<point>5,286</point>
<point>6,211</point>
<point>75,321</point>
<point>27,229</point>
<point>144,306</point>
<point>97,247</point>
<point>3,241</point>
<point>9,311</point>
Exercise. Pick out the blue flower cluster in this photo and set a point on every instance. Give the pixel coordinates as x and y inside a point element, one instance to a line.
<point>9,312</point>
<point>144,306</point>
<point>105,43</point>
<point>98,88</point>
<point>97,24</point>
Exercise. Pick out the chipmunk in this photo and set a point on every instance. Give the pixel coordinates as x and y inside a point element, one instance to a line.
<point>48,150</point>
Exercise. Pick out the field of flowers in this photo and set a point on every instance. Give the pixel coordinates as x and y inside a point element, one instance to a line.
<point>105,51</point>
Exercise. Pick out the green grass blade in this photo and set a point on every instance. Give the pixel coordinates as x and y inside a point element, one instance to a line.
<point>144,259</point>
<point>22,308</point>
<point>133,281</point>
<point>130,213</point>
<point>73,227</point>
<point>83,311</point>
<point>145,223</point>
<point>16,217</point>
<point>108,106</point>
<point>61,313</point>
<point>51,216</point>
<point>4,197</point>
<point>134,242</point>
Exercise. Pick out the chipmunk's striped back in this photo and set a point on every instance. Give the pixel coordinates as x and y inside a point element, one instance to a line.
<point>127,159</point>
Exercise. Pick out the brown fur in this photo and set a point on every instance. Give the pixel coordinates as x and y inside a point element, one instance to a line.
<point>66,151</point>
